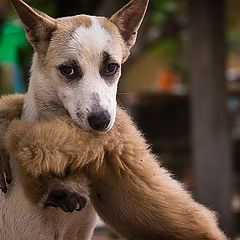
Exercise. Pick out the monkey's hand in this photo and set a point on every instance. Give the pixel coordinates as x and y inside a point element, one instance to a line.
<point>5,170</point>
<point>10,108</point>
<point>51,157</point>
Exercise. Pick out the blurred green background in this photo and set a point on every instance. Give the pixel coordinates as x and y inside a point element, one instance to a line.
<point>181,85</point>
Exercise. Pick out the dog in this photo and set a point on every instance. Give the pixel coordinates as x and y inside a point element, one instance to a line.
<point>75,71</point>
<point>136,197</point>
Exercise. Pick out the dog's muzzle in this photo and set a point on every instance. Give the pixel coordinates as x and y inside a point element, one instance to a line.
<point>99,121</point>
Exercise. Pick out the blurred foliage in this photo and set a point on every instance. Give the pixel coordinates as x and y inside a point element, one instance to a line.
<point>162,9</point>
<point>169,48</point>
<point>233,26</point>
<point>47,6</point>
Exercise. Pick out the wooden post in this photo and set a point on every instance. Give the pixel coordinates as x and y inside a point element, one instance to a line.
<point>210,128</point>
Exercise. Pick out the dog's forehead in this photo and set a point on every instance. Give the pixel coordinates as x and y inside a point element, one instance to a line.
<point>94,36</point>
<point>90,34</point>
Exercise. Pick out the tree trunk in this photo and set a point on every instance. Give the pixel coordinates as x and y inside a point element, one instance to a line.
<point>210,131</point>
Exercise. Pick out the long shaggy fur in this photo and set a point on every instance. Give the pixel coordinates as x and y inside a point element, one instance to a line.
<point>136,197</point>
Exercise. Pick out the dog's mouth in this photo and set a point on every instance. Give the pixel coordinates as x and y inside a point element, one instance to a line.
<point>67,201</point>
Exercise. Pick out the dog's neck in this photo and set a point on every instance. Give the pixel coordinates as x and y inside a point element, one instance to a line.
<point>41,101</point>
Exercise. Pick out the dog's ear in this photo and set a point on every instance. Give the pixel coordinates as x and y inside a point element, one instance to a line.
<point>38,25</point>
<point>128,20</point>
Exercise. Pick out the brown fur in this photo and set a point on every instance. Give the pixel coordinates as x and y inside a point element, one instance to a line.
<point>131,193</point>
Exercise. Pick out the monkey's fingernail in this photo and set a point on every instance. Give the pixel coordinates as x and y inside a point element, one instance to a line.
<point>4,190</point>
<point>8,180</point>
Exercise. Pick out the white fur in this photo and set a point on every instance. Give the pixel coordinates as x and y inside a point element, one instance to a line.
<point>30,111</point>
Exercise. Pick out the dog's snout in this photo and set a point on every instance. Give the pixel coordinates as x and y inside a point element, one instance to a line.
<point>99,121</point>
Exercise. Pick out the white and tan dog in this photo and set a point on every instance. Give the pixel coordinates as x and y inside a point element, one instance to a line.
<point>75,71</point>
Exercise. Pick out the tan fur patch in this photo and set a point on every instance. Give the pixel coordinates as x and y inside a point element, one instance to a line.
<point>71,23</point>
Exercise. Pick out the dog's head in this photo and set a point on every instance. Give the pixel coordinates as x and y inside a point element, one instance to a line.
<point>79,58</point>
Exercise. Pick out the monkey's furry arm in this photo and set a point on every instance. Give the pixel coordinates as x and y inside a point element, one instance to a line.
<point>10,108</point>
<point>138,199</point>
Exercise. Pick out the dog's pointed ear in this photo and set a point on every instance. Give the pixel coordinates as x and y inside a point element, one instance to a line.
<point>128,20</point>
<point>38,25</point>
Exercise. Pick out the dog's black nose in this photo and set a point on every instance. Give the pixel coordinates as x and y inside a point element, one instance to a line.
<point>99,121</point>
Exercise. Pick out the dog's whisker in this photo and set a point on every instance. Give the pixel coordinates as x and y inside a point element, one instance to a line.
<point>126,93</point>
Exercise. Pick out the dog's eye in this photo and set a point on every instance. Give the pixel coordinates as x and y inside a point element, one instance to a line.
<point>67,70</point>
<point>111,69</point>
<point>71,72</point>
